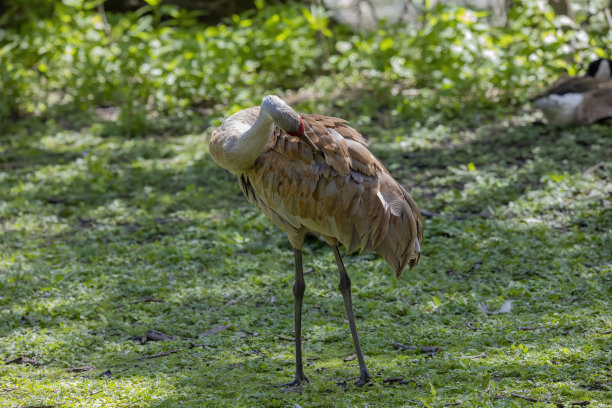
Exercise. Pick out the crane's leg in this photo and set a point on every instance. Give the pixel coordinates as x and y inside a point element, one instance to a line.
<point>298,292</point>
<point>345,289</point>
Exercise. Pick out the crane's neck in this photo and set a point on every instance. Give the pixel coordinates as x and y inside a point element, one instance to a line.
<point>239,141</point>
<point>252,141</point>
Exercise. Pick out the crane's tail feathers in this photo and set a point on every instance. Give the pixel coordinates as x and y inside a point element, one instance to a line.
<point>402,246</point>
<point>394,229</point>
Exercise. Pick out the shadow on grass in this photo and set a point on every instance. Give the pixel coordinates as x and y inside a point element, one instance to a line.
<point>521,155</point>
<point>187,244</point>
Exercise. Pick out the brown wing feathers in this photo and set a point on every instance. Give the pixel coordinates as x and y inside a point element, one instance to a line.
<point>341,191</point>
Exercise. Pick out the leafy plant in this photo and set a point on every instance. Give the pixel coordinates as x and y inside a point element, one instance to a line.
<point>160,62</point>
<point>145,66</point>
<point>104,236</point>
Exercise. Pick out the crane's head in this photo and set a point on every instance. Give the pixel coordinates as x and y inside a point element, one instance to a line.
<point>601,68</point>
<point>285,118</point>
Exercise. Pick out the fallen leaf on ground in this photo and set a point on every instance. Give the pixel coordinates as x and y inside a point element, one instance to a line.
<point>391,380</point>
<point>214,330</point>
<point>81,369</point>
<point>23,360</point>
<point>156,335</point>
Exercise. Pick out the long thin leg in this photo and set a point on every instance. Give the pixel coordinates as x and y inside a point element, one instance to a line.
<point>345,289</point>
<point>298,292</point>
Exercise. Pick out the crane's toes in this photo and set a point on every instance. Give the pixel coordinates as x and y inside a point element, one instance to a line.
<point>364,379</point>
<point>295,383</point>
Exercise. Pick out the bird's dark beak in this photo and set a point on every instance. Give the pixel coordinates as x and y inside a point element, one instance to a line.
<point>307,140</point>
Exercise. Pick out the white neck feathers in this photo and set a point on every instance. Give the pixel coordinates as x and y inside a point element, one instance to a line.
<point>239,141</point>
<point>241,138</point>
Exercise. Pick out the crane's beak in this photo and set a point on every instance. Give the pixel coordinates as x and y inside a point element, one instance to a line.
<point>307,140</point>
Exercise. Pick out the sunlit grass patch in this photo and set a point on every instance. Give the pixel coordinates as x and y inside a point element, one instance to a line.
<point>148,234</point>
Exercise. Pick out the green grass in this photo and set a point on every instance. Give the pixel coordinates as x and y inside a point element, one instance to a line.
<point>103,238</point>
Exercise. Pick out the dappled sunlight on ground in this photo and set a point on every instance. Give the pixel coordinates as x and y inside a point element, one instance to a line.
<point>104,238</point>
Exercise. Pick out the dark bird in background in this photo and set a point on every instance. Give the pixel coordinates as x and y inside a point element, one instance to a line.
<point>579,100</point>
<point>313,173</point>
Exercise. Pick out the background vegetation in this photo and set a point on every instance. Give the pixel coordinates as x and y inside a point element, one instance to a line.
<point>114,222</point>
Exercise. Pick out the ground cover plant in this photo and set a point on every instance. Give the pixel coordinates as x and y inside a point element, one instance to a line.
<point>133,273</point>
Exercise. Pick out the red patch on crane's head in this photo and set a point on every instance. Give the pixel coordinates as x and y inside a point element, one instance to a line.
<point>300,130</point>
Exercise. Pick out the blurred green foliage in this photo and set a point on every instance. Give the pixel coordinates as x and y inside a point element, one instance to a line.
<point>160,61</point>
<point>104,237</point>
<point>142,66</point>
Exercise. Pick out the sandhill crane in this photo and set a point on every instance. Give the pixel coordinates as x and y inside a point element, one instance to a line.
<point>313,173</point>
<point>579,100</point>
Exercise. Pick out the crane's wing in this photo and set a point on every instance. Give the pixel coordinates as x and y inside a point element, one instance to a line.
<point>339,190</point>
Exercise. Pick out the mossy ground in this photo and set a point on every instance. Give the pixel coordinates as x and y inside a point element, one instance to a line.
<point>104,237</point>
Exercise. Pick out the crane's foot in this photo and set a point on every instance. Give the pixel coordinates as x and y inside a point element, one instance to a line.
<point>363,380</point>
<point>295,383</point>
